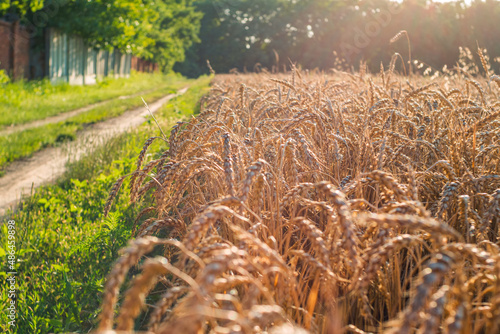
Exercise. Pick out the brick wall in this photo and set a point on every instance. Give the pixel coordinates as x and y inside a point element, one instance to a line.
<point>5,50</point>
<point>133,63</point>
<point>141,65</point>
<point>14,49</point>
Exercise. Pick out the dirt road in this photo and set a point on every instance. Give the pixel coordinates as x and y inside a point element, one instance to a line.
<point>47,165</point>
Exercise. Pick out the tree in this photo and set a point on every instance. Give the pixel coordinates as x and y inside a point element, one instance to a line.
<point>174,30</point>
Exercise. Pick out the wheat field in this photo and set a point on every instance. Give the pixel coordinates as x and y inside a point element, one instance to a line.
<point>320,202</point>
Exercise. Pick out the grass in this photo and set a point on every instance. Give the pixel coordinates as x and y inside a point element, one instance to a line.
<point>22,102</point>
<point>64,244</point>
<point>23,144</point>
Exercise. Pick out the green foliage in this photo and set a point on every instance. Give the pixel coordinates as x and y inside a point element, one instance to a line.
<point>176,28</point>
<point>104,23</point>
<point>20,7</point>
<point>4,78</point>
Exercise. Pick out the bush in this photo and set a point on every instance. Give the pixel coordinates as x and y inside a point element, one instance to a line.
<point>4,78</point>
